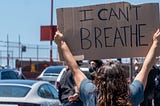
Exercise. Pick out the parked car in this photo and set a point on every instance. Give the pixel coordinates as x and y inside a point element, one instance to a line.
<point>7,73</point>
<point>85,70</point>
<point>50,74</point>
<point>28,93</point>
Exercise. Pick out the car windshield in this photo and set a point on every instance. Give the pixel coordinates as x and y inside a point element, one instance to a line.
<point>13,91</point>
<point>53,70</point>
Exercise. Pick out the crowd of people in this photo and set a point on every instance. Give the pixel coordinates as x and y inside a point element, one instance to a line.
<point>109,85</point>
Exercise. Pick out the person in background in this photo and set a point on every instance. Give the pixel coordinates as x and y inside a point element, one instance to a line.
<point>68,91</point>
<point>93,66</point>
<point>157,91</point>
<point>107,61</point>
<point>150,86</point>
<point>136,67</point>
<point>157,86</point>
<point>111,87</point>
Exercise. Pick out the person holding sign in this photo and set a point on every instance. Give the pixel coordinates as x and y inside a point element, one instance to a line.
<point>111,87</point>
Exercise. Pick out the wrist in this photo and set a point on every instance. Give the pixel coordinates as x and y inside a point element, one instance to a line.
<point>61,43</point>
<point>155,43</point>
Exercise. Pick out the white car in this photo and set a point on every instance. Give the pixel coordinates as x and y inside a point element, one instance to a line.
<point>50,74</point>
<point>28,93</point>
<point>85,70</point>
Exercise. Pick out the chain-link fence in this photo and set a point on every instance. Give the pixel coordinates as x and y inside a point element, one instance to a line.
<point>12,51</point>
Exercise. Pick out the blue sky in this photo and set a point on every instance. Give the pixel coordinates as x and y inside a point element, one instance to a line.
<point>24,17</point>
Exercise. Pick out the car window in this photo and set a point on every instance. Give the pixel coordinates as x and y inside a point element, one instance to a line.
<point>13,91</point>
<point>54,91</point>
<point>45,92</point>
<point>60,74</point>
<point>53,70</point>
<point>9,75</point>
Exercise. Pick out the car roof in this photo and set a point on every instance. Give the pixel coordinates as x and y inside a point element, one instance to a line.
<point>24,82</point>
<point>7,69</point>
<point>55,66</point>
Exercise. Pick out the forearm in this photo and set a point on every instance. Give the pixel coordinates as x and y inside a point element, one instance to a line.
<point>148,63</point>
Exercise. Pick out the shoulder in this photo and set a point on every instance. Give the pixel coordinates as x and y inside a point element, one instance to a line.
<point>87,91</point>
<point>87,85</point>
<point>137,92</point>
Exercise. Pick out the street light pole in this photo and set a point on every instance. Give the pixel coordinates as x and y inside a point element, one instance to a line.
<point>51,36</point>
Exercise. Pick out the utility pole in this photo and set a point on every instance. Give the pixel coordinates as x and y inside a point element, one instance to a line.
<point>19,44</point>
<point>7,51</point>
<point>51,32</point>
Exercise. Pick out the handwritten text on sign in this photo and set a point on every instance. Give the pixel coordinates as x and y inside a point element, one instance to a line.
<point>109,30</point>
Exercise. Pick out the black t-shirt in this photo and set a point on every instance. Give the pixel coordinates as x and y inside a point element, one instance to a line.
<point>67,84</point>
<point>151,79</point>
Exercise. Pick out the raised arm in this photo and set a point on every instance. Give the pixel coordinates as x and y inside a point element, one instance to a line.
<point>69,59</point>
<point>149,60</point>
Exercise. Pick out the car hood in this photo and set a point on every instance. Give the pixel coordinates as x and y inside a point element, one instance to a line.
<point>30,100</point>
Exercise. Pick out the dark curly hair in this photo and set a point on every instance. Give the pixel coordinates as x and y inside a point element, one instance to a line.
<point>112,85</point>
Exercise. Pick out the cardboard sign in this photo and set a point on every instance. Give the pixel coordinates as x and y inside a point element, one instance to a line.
<point>115,30</point>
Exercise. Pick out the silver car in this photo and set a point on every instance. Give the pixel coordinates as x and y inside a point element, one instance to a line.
<point>28,93</point>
